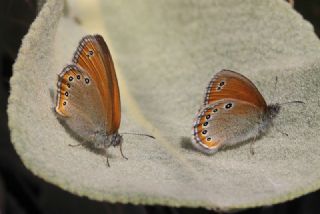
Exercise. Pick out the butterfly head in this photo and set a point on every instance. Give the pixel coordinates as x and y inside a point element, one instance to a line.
<point>115,139</point>
<point>273,110</point>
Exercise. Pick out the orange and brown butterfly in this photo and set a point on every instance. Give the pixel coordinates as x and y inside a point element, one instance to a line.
<point>88,98</point>
<point>233,111</point>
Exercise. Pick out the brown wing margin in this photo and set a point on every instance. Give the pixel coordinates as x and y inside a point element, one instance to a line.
<point>113,84</point>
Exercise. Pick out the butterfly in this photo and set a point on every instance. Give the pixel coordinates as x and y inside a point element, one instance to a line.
<point>233,111</point>
<point>88,97</point>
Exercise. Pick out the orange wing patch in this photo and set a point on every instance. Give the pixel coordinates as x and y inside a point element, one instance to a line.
<point>67,78</point>
<point>94,57</point>
<point>232,85</point>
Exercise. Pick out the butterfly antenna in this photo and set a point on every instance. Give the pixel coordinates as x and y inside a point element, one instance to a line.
<point>292,102</point>
<point>146,135</point>
<point>285,103</point>
<point>275,88</point>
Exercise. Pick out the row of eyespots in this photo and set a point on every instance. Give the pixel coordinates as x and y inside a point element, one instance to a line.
<point>197,138</point>
<point>71,78</point>
<point>207,96</point>
<point>208,116</point>
<point>205,124</point>
<point>60,83</point>
<point>196,126</point>
<point>86,79</point>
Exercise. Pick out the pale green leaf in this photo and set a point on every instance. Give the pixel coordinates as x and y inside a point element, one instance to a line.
<point>165,54</point>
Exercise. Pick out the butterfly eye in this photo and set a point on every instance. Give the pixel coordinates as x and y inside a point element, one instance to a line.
<point>87,80</point>
<point>218,88</point>
<point>70,78</point>
<point>78,76</point>
<point>205,124</point>
<point>229,105</point>
<point>68,85</point>
<point>64,103</point>
<point>67,94</point>
<point>215,110</point>
<point>208,117</point>
<point>204,132</point>
<point>209,139</point>
<point>221,83</point>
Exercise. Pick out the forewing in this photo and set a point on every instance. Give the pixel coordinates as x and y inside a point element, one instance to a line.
<point>94,57</point>
<point>78,103</point>
<point>225,122</point>
<point>232,85</point>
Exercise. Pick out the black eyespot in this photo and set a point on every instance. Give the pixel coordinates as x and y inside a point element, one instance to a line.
<point>90,53</point>
<point>67,94</point>
<point>205,124</point>
<point>229,105</point>
<point>70,78</point>
<point>68,85</point>
<point>218,88</point>
<point>78,76</point>
<point>64,103</point>
<point>221,83</point>
<point>208,116</point>
<point>215,110</point>
<point>87,80</point>
<point>204,132</point>
<point>209,139</point>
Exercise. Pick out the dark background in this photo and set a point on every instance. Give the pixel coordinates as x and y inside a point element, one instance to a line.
<point>22,192</point>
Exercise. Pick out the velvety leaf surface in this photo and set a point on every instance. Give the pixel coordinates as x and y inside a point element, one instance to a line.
<point>165,54</point>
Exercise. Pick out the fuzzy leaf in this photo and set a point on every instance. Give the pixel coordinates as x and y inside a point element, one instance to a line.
<point>165,54</point>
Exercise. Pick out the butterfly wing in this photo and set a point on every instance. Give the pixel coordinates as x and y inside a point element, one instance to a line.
<point>79,103</point>
<point>232,85</point>
<point>225,122</point>
<point>94,57</point>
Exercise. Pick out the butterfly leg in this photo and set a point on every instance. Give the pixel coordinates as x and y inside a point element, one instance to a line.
<point>108,164</point>
<point>107,157</point>
<point>251,145</point>
<point>106,154</point>
<point>122,152</point>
